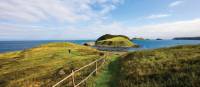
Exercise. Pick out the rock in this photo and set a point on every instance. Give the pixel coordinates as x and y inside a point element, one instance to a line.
<point>61,72</point>
<point>89,44</point>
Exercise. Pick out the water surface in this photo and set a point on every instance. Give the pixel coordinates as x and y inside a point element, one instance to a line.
<point>151,44</point>
<point>7,46</point>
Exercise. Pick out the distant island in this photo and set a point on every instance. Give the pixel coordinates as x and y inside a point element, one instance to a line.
<point>186,38</point>
<point>159,39</point>
<point>109,40</point>
<point>137,38</point>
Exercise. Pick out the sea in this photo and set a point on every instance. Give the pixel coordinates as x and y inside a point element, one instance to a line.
<point>8,46</point>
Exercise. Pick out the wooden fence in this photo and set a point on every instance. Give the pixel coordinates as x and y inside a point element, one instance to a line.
<point>76,71</point>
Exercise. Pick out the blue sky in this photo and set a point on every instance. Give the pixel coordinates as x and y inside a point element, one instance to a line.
<point>89,19</point>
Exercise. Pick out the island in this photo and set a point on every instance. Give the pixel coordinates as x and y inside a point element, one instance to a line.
<point>137,38</point>
<point>159,39</point>
<point>187,38</point>
<point>109,40</point>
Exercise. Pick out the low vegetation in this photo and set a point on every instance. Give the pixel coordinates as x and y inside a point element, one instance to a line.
<point>107,77</point>
<point>44,65</point>
<point>114,41</point>
<point>167,67</point>
<point>109,36</point>
<point>47,64</point>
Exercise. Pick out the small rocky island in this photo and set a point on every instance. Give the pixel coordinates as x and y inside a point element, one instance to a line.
<point>109,40</point>
<point>138,38</point>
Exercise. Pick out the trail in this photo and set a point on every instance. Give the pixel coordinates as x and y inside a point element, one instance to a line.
<point>108,76</point>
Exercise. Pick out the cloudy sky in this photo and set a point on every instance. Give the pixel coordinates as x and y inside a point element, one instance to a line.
<point>89,19</point>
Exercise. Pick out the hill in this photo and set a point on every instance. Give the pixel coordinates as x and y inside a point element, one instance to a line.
<point>114,41</point>
<point>44,65</point>
<point>187,38</point>
<point>109,36</point>
<point>167,67</point>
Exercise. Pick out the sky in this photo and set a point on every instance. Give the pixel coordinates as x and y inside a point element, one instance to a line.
<point>90,19</point>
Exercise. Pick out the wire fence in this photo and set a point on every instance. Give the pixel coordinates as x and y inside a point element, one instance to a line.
<point>98,64</point>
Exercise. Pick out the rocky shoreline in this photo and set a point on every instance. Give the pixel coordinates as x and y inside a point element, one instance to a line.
<point>109,48</point>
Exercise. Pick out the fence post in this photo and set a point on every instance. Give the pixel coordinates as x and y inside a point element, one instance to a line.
<point>96,67</point>
<point>103,61</point>
<point>73,79</point>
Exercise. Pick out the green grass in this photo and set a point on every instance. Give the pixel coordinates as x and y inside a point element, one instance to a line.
<point>109,36</point>
<point>115,42</point>
<point>167,67</point>
<point>108,75</point>
<point>40,66</point>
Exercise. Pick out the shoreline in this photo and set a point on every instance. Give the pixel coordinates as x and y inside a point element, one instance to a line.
<point>144,44</point>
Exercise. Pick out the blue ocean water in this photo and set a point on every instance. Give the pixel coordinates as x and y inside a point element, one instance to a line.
<point>153,44</point>
<point>7,46</point>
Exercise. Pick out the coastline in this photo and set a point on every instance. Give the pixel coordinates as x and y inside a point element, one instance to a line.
<point>144,44</point>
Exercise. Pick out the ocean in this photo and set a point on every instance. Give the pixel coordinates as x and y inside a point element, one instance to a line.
<point>7,46</point>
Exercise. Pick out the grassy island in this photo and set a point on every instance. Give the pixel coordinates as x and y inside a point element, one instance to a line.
<point>114,41</point>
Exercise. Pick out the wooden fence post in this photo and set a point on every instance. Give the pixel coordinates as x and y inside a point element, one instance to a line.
<point>96,67</point>
<point>104,60</point>
<point>73,79</point>
<point>72,75</point>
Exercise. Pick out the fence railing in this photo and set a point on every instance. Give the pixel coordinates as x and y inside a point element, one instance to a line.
<point>72,75</point>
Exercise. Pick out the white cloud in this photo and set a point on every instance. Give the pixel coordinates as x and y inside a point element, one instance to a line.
<point>61,10</point>
<point>76,11</point>
<point>187,28</point>
<point>156,16</point>
<point>176,3</point>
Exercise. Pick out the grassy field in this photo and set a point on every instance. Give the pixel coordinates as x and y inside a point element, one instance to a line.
<point>44,65</point>
<point>167,67</point>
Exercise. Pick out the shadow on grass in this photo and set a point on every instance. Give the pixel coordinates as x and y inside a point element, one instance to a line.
<point>114,69</point>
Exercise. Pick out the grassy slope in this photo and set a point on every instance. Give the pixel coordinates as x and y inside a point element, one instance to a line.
<point>115,42</point>
<point>40,66</point>
<point>168,67</point>
<point>108,75</point>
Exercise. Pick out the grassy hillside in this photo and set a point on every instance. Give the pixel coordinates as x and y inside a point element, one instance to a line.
<point>115,42</point>
<point>168,67</point>
<point>43,65</point>
<point>109,36</point>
